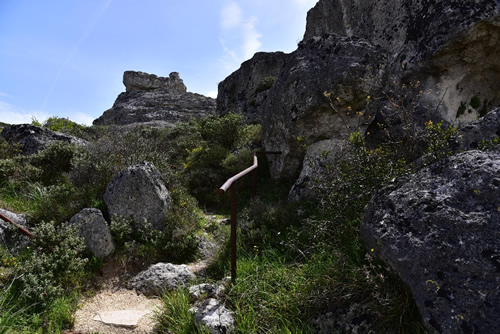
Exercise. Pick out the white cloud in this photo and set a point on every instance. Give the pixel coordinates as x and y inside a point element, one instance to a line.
<point>243,36</point>
<point>212,94</point>
<point>81,118</point>
<point>12,115</point>
<point>2,94</point>
<point>231,16</point>
<point>306,3</point>
<point>251,37</point>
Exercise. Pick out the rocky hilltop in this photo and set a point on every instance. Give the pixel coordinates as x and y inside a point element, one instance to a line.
<point>360,53</point>
<point>155,100</point>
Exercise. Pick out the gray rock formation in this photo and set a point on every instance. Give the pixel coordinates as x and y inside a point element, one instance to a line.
<point>161,277</point>
<point>439,229</point>
<point>318,156</point>
<point>485,128</point>
<point>34,139</point>
<point>215,316</point>
<point>95,232</point>
<point>138,193</point>
<point>144,81</point>
<point>10,237</point>
<point>157,101</point>
<point>449,47</point>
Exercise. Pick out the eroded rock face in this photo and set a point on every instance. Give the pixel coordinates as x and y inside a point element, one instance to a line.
<point>143,81</point>
<point>95,232</point>
<point>486,128</point>
<point>161,277</point>
<point>449,48</point>
<point>34,138</point>
<point>138,193</point>
<point>155,101</point>
<point>439,229</point>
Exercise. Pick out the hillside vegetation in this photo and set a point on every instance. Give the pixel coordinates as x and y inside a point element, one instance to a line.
<point>295,260</point>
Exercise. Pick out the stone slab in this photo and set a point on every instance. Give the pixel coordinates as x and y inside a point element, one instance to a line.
<point>123,318</point>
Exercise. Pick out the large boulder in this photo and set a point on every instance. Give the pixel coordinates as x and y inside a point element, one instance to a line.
<point>95,232</point>
<point>33,138</point>
<point>439,229</point>
<point>138,193</point>
<point>155,101</point>
<point>161,277</point>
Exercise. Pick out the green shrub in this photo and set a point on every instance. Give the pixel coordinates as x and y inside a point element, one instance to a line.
<point>53,264</point>
<point>222,130</point>
<point>265,84</point>
<point>475,102</point>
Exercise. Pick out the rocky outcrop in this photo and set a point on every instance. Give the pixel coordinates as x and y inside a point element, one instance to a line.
<point>144,81</point>
<point>157,101</point>
<point>439,230</point>
<point>33,138</point>
<point>95,232</point>
<point>161,277</point>
<point>138,193</point>
<point>356,49</point>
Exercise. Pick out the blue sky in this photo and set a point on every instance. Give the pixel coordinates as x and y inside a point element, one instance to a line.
<point>66,58</point>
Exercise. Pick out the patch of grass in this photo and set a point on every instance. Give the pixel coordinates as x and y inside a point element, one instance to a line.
<point>174,316</point>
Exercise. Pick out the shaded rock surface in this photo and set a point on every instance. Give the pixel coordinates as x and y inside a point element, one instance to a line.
<point>161,277</point>
<point>138,193</point>
<point>439,229</point>
<point>214,316</point>
<point>95,232</point>
<point>34,138</point>
<point>157,101</point>
<point>10,237</point>
<point>352,49</point>
<point>485,128</point>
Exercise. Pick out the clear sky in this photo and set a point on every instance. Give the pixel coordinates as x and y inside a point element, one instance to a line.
<point>66,58</point>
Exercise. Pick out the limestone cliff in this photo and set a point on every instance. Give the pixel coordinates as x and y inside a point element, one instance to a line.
<point>154,100</point>
<point>356,49</point>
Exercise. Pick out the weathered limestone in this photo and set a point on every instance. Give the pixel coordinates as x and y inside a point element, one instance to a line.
<point>155,101</point>
<point>161,277</point>
<point>34,138</point>
<point>439,229</point>
<point>138,193</point>
<point>95,232</point>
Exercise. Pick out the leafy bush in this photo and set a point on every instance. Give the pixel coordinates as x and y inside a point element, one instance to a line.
<point>265,84</point>
<point>53,264</point>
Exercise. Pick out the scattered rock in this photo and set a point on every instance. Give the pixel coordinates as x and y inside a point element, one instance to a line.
<point>155,101</point>
<point>123,318</point>
<point>206,290</point>
<point>95,232</point>
<point>439,230</point>
<point>34,138</point>
<point>138,193</point>
<point>214,316</point>
<point>161,277</point>
<point>10,236</point>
